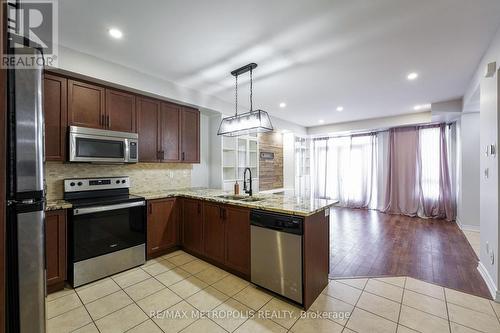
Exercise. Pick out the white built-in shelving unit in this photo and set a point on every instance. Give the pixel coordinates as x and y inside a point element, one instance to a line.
<point>229,158</point>
<point>302,164</point>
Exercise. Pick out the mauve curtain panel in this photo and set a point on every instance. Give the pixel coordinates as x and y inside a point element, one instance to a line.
<point>418,174</point>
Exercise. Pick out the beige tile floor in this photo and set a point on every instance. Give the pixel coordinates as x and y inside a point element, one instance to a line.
<point>190,295</point>
<point>474,240</point>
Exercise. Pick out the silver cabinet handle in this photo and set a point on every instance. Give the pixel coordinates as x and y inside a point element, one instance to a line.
<point>98,209</point>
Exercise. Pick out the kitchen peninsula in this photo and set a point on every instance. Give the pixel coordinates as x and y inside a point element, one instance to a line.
<point>215,226</point>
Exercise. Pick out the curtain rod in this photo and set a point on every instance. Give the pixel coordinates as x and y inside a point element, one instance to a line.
<point>379,130</point>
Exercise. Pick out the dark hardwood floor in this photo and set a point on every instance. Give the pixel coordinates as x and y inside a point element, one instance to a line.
<point>367,243</point>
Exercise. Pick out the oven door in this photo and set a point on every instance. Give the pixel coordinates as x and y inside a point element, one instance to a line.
<point>96,148</point>
<point>104,229</point>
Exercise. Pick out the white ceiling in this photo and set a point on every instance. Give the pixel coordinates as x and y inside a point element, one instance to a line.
<point>312,54</point>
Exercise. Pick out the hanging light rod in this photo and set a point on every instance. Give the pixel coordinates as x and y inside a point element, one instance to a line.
<point>244,69</point>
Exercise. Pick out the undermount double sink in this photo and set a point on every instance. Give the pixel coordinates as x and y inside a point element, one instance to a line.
<point>239,198</point>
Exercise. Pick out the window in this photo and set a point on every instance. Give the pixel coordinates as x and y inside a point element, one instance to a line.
<point>430,162</point>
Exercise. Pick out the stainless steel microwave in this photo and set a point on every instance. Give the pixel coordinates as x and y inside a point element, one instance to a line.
<point>102,146</point>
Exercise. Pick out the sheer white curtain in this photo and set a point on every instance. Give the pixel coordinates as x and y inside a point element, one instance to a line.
<point>436,194</point>
<point>345,169</point>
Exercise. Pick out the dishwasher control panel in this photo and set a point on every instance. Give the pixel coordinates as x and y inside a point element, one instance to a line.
<point>280,222</point>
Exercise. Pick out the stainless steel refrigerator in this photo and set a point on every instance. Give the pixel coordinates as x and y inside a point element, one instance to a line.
<point>25,206</point>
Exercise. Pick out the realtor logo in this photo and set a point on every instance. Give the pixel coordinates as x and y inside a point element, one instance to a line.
<point>31,25</point>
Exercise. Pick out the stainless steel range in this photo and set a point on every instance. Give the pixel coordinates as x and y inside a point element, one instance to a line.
<point>107,228</point>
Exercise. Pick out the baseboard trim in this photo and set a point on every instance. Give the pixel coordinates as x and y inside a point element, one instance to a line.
<point>489,282</point>
<point>467,227</point>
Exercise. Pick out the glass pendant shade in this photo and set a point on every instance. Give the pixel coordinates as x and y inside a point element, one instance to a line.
<point>256,121</point>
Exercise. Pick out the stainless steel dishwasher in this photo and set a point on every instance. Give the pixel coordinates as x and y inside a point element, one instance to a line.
<point>276,253</point>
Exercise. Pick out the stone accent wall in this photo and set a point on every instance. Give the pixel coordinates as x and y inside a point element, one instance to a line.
<point>271,171</point>
<point>144,177</point>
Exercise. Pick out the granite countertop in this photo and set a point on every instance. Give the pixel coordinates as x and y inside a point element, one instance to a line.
<point>281,203</point>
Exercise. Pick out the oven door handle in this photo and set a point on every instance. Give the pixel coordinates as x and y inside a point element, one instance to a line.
<point>98,209</point>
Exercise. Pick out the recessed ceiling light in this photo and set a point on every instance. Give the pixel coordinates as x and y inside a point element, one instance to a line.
<point>340,108</point>
<point>321,121</point>
<point>412,76</point>
<point>115,33</point>
<point>282,105</point>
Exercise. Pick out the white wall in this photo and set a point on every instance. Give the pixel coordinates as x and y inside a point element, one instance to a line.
<point>489,185</point>
<point>469,171</point>
<point>482,93</point>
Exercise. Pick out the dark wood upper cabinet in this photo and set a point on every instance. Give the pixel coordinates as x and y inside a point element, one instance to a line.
<point>237,239</point>
<point>120,111</point>
<point>86,105</point>
<point>56,122</point>
<point>190,135</point>
<point>163,231</point>
<point>170,132</point>
<point>148,115</point>
<point>213,231</point>
<point>192,225</point>
<point>55,249</point>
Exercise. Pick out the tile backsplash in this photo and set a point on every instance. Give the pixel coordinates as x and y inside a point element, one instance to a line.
<point>143,176</point>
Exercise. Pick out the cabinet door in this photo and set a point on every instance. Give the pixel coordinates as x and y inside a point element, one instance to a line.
<point>192,227</point>
<point>237,239</point>
<point>55,249</point>
<point>213,231</point>
<point>148,112</point>
<point>162,225</point>
<point>190,135</point>
<point>55,111</point>
<point>85,104</point>
<point>170,132</point>
<point>120,111</point>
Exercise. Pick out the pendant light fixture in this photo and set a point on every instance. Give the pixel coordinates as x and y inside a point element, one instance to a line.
<point>254,121</point>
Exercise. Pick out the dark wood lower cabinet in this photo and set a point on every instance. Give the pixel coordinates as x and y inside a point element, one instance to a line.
<point>192,225</point>
<point>55,249</point>
<point>226,236</point>
<point>237,239</point>
<point>213,231</point>
<point>163,226</point>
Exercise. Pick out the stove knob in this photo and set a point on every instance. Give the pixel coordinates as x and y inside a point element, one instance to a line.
<point>72,184</point>
<point>123,181</point>
<point>80,183</point>
<point>118,182</point>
